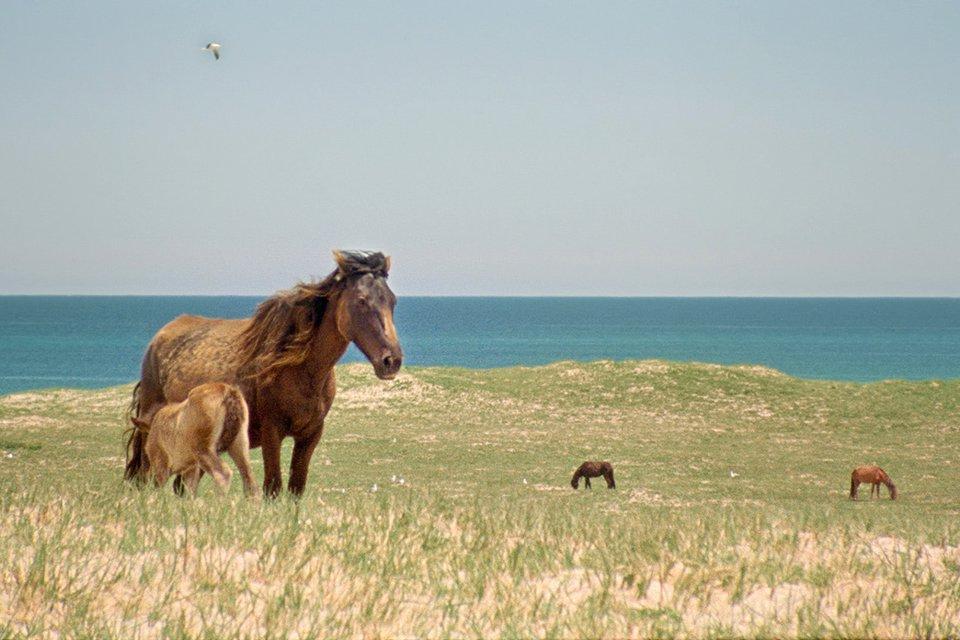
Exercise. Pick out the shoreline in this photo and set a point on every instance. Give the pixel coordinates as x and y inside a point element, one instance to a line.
<point>748,368</point>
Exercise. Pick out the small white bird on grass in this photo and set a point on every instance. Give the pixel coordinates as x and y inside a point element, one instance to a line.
<point>524,481</point>
<point>374,488</point>
<point>734,474</point>
<point>214,48</point>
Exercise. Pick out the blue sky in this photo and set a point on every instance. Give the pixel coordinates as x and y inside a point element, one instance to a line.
<point>533,148</point>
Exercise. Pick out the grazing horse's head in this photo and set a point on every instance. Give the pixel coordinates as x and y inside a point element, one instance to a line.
<point>365,309</point>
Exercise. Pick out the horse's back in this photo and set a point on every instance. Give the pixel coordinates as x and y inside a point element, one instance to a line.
<point>868,473</point>
<point>190,351</point>
<point>189,330</point>
<point>594,468</point>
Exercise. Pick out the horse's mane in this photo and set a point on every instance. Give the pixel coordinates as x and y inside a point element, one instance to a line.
<point>282,328</point>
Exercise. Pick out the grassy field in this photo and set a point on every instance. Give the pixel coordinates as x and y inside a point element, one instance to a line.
<point>485,537</point>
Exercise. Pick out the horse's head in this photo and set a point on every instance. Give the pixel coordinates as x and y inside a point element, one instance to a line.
<point>893,491</point>
<point>365,309</point>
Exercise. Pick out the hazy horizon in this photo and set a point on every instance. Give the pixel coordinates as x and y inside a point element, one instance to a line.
<point>559,295</point>
<point>616,149</point>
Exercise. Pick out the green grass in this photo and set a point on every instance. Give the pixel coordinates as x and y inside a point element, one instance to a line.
<point>465,548</point>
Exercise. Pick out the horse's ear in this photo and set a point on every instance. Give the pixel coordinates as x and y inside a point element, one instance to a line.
<point>341,260</point>
<point>386,264</point>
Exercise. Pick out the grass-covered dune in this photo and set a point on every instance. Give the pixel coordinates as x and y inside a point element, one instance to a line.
<point>485,537</point>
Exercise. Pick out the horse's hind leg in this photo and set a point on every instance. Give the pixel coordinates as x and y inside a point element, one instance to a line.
<point>212,464</point>
<point>191,479</point>
<point>239,452</point>
<point>178,483</point>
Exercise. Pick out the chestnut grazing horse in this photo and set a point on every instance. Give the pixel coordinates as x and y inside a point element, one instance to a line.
<point>593,469</point>
<point>875,476</point>
<point>281,359</point>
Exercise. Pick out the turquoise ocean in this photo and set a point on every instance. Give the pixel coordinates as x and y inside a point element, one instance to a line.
<point>88,341</point>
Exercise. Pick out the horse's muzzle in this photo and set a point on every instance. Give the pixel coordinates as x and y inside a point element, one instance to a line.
<point>388,365</point>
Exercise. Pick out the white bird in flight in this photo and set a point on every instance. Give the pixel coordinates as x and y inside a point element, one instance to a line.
<point>214,48</point>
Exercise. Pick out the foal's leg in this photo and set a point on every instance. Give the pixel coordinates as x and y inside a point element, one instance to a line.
<point>239,452</point>
<point>212,464</point>
<point>161,472</point>
<point>159,465</point>
<point>191,478</point>
<point>178,487</point>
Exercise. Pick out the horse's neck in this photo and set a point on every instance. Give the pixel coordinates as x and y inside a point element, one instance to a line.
<point>328,344</point>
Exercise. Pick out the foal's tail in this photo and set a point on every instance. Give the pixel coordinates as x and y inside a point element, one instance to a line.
<point>135,441</point>
<point>236,416</point>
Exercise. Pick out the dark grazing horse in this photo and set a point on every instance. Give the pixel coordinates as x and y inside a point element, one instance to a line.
<point>873,475</point>
<point>593,469</point>
<point>281,359</point>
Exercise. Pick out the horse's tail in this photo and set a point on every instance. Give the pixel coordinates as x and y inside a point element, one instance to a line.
<point>236,416</point>
<point>135,441</point>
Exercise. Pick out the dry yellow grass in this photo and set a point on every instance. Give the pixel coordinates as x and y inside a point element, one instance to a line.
<point>465,548</point>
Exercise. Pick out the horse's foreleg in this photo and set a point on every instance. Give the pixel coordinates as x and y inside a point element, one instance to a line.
<point>300,463</point>
<point>586,482</point>
<point>160,475</point>
<point>270,444</point>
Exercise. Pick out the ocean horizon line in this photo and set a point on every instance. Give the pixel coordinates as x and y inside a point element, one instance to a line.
<point>504,297</point>
<point>44,337</point>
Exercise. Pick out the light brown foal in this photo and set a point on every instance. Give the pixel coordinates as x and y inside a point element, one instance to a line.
<point>187,437</point>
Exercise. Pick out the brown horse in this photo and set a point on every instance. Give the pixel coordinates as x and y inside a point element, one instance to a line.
<point>281,359</point>
<point>187,437</point>
<point>593,469</point>
<point>873,475</point>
